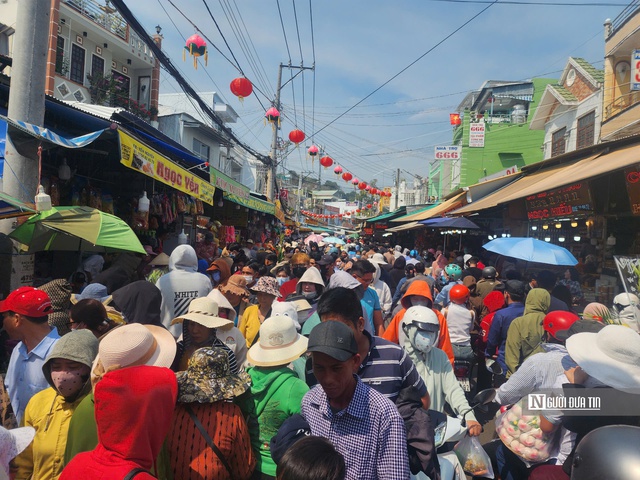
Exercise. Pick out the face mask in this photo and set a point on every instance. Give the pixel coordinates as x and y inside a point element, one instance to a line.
<point>69,383</point>
<point>419,302</point>
<point>424,341</point>
<point>248,279</point>
<point>310,295</point>
<point>216,276</point>
<point>282,280</point>
<point>299,271</point>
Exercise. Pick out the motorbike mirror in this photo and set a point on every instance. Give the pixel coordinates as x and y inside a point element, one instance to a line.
<point>485,397</point>
<point>493,366</point>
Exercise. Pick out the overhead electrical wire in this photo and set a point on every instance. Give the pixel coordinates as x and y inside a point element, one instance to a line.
<point>545,4</point>
<point>313,52</point>
<point>284,32</point>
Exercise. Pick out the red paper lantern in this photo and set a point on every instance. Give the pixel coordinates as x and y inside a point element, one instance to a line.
<point>241,87</point>
<point>296,136</point>
<point>368,205</point>
<point>355,181</point>
<point>337,170</point>
<point>312,151</point>
<point>346,176</point>
<point>362,185</point>
<point>197,47</point>
<point>357,210</point>
<point>454,119</point>
<point>326,162</point>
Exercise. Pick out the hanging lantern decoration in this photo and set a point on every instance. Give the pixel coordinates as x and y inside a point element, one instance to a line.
<point>454,119</point>
<point>273,116</point>
<point>197,47</point>
<point>241,87</point>
<point>362,185</point>
<point>357,210</point>
<point>346,176</point>
<point>296,136</point>
<point>337,170</point>
<point>369,206</point>
<point>355,181</point>
<point>312,151</point>
<point>368,188</point>
<point>326,162</point>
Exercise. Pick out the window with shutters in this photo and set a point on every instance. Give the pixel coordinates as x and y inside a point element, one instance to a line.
<point>76,72</point>
<point>558,142</point>
<point>60,66</point>
<point>586,130</point>
<point>97,65</point>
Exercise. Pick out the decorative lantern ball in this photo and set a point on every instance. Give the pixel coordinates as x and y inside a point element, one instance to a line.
<point>362,185</point>
<point>357,210</point>
<point>272,115</point>
<point>375,203</point>
<point>326,162</point>
<point>241,88</point>
<point>368,188</point>
<point>313,151</point>
<point>346,176</point>
<point>337,170</point>
<point>355,181</point>
<point>197,47</point>
<point>368,205</point>
<point>296,136</point>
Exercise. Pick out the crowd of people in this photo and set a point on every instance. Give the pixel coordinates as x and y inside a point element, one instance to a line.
<point>295,361</point>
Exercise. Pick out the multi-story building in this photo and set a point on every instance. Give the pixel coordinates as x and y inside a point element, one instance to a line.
<point>621,97</point>
<point>94,57</point>
<point>494,134</point>
<point>570,111</point>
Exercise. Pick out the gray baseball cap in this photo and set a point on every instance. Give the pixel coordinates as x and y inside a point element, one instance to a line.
<point>334,339</point>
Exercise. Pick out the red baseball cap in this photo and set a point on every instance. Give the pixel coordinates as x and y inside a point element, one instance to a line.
<point>27,301</point>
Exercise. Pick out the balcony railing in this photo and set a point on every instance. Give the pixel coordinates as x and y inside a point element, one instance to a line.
<point>622,18</point>
<point>103,14</point>
<point>621,103</point>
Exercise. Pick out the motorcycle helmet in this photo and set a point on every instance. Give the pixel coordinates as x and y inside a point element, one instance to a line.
<point>608,452</point>
<point>489,273</point>
<point>453,271</point>
<point>624,300</point>
<point>459,294</point>
<point>413,253</point>
<point>422,327</point>
<point>558,320</point>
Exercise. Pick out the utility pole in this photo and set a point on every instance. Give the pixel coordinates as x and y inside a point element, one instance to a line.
<point>26,96</point>
<point>271,171</point>
<point>397,188</point>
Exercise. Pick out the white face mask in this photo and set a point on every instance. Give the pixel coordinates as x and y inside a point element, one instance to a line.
<point>248,279</point>
<point>310,295</point>
<point>419,302</point>
<point>282,280</point>
<point>424,341</point>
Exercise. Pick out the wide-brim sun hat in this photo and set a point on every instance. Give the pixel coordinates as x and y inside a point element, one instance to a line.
<point>204,311</point>
<point>267,285</point>
<point>135,344</point>
<point>208,378</point>
<point>13,442</point>
<point>237,285</point>
<point>611,356</point>
<point>279,343</point>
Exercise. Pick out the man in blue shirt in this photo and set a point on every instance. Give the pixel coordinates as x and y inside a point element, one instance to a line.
<point>364,271</point>
<point>24,316</point>
<point>362,425</point>
<point>514,298</point>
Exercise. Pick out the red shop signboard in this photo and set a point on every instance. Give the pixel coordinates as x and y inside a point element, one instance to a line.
<point>560,202</point>
<point>632,179</point>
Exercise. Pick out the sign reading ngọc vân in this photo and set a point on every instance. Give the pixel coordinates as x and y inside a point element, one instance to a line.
<point>632,180</point>
<point>560,202</point>
<point>138,156</point>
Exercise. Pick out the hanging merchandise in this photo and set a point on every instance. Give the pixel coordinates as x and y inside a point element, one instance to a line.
<point>143,203</point>
<point>241,87</point>
<point>197,47</point>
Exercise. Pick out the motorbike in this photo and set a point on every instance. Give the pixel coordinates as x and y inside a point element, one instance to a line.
<point>451,430</point>
<point>463,370</point>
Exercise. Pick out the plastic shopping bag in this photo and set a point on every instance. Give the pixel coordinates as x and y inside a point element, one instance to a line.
<point>522,435</point>
<point>473,458</point>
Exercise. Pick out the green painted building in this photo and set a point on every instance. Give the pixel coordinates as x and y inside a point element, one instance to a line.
<point>494,134</point>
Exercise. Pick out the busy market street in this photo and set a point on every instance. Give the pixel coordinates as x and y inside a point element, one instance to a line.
<point>388,264</point>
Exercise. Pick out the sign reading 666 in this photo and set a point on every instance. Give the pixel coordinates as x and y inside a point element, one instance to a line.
<point>448,153</point>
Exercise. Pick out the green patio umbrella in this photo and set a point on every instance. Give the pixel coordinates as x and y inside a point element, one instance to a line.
<point>76,229</point>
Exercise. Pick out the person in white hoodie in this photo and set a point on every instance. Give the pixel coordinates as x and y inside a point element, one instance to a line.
<point>383,291</point>
<point>182,284</point>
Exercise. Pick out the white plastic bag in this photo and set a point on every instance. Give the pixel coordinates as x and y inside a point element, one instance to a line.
<point>473,458</point>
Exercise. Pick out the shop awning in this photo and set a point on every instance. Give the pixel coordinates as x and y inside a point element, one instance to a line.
<point>405,227</point>
<point>48,135</point>
<point>252,203</point>
<point>409,217</point>
<point>454,202</point>
<point>551,178</point>
<point>388,216</point>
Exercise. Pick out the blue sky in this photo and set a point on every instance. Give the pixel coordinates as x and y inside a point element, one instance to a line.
<point>359,45</point>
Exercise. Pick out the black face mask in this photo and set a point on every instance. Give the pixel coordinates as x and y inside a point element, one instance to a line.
<point>299,271</point>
